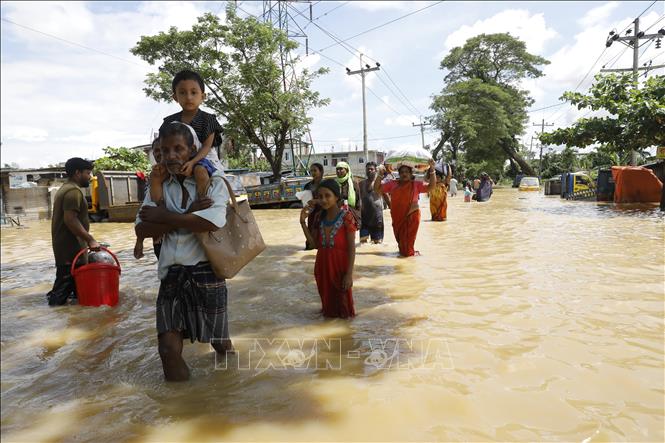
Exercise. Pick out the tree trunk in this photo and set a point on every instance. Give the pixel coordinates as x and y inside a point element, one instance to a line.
<point>524,166</point>
<point>439,147</point>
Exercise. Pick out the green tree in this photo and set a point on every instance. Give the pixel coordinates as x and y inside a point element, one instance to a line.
<point>481,109</point>
<point>122,159</point>
<point>241,64</point>
<point>634,120</point>
<point>555,163</point>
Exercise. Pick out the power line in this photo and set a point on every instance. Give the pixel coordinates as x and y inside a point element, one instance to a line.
<point>590,69</point>
<point>397,96</point>
<point>402,92</point>
<point>382,25</point>
<point>353,51</point>
<point>387,104</point>
<point>545,107</point>
<point>647,8</point>
<point>323,15</point>
<point>580,82</point>
<point>655,23</point>
<point>369,139</point>
<point>71,42</point>
<point>616,58</point>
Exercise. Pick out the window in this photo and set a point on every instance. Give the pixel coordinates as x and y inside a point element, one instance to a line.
<point>334,162</point>
<point>325,162</point>
<point>286,156</point>
<point>361,160</point>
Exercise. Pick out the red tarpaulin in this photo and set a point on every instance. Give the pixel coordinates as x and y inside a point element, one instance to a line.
<point>635,184</point>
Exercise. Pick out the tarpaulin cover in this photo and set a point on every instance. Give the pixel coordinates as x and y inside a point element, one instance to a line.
<point>416,158</point>
<point>635,184</point>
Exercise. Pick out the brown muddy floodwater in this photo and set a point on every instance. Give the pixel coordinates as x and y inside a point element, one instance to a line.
<point>527,318</point>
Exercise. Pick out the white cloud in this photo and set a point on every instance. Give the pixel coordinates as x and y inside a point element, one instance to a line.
<point>48,17</point>
<point>402,120</point>
<point>531,29</point>
<point>79,100</point>
<point>308,62</point>
<point>373,6</point>
<point>598,15</point>
<point>25,133</point>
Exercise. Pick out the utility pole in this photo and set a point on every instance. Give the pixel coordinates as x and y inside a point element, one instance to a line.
<point>363,71</point>
<point>540,159</point>
<point>634,41</point>
<point>422,130</point>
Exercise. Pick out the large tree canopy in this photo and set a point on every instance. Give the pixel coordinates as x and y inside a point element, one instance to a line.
<point>492,58</point>
<point>481,110</point>
<point>241,64</point>
<point>634,120</point>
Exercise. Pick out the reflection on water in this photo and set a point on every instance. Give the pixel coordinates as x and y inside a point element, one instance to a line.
<point>525,318</point>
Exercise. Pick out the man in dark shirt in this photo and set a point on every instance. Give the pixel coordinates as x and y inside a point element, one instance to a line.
<point>372,207</point>
<point>69,228</point>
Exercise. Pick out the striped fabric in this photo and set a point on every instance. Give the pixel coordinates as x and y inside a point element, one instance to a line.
<point>203,123</point>
<point>193,300</point>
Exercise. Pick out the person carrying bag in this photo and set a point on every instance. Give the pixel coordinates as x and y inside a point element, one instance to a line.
<point>238,242</point>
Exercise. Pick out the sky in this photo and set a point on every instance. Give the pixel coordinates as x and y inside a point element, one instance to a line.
<point>70,87</point>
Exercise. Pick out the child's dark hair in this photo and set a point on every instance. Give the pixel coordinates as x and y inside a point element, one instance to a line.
<point>77,164</point>
<point>318,166</point>
<point>177,128</point>
<point>332,185</point>
<point>187,74</point>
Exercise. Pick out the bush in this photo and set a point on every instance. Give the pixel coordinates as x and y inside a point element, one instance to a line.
<point>122,159</point>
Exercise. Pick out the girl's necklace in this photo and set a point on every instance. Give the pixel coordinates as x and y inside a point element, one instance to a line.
<point>327,223</point>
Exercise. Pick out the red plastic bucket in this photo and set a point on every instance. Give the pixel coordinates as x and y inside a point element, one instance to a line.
<point>97,283</point>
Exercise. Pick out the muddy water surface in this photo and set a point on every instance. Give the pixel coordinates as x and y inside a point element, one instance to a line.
<point>526,318</point>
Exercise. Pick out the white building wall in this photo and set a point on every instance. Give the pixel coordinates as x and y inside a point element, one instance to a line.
<point>355,159</point>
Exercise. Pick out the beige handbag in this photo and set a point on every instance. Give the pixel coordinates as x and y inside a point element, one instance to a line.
<point>234,245</point>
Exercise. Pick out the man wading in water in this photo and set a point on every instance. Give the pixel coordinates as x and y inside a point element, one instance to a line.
<point>69,228</point>
<point>192,301</point>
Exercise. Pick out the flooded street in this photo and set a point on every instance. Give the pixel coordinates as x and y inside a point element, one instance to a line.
<point>526,318</point>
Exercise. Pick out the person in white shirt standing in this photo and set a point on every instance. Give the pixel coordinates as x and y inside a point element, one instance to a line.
<point>453,187</point>
<point>192,301</point>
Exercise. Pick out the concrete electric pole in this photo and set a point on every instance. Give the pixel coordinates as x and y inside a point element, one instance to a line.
<point>422,130</point>
<point>634,42</point>
<point>540,158</point>
<point>362,71</point>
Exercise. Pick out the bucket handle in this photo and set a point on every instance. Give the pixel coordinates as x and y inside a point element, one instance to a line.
<point>72,271</point>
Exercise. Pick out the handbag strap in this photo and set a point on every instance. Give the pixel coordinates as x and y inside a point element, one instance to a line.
<point>234,203</point>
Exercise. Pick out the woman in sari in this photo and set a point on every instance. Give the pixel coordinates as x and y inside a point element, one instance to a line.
<point>484,191</point>
<point>404,208</point>
<point>438,197</point>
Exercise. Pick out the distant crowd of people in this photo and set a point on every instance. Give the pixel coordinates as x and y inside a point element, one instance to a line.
<point>341,206</point>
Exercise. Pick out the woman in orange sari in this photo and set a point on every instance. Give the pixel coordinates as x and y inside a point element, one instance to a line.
<point>438,197</point>
<point>404,208</point>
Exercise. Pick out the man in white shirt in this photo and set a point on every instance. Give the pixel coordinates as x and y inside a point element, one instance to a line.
<point>192,301</point>
<point>453,187</point>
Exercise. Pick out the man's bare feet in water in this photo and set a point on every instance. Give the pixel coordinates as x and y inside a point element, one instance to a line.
<point>224,347</point>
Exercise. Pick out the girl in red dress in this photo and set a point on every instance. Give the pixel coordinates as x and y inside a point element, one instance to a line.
<point>336,253</point>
